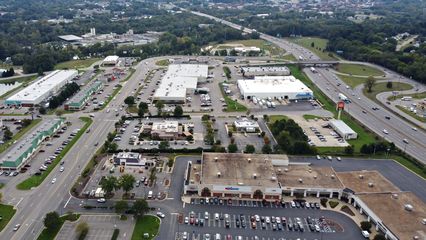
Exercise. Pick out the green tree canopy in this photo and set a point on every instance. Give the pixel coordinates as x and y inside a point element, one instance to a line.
<point>140,207</point>
<point>127,182</point>
<point>52,221</point>
<point>130,101</point>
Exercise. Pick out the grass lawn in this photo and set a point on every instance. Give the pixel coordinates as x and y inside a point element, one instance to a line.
<point>418,95</point>
<point>163,62</point>
<point>319,45</point>
<point>74,64</point>
<point>351,80</point>
<point>146,224</point>
<point>309,116</point>
<point>233,106</point>
<point>381,87</point>
<point>18,135</point>
<point>34,180</point>
<point>23,80</point>
<point>7,212</point>
<point>289,57</point>
<point>421,119</point>
<point>133,109</point>
<point>358,69</point>
<point>50,235</point>
<point>273,49</point>
<point>274,118</point>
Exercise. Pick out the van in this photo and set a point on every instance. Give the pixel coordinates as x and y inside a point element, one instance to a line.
<point>365,234</point>
<point>217,236</point>
<point>150,194</point>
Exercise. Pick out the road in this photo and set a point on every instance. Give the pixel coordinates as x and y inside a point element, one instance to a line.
<point>34,204</point>
<point>327,81</point>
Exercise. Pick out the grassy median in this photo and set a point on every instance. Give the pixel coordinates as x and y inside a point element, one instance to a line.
<point>232,105</point>
<point>34,180</point>
<point>75,64</point>
<point>6,212</point>
<point>50,235</point>
<point>146,224</point>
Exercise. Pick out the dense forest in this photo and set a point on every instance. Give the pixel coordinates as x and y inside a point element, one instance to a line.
<point>31,41</point>
<point>370,40</point>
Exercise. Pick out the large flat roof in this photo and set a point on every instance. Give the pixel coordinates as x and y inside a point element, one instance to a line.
<point>43,85</point>
<point>342,126</point>
<point>390,208</point>
<point>303,176</point>
<point>366,182</point>
<point>70,38</point>
<point>237,169</point>
<point>178,79</point>
<point>273,84</point>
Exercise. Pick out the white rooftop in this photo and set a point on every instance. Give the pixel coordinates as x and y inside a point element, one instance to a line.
<point>112,58</point>
<point>342,126</point>
<point>43,86</point>
<point>70,38</point>
<point>273,84</point>
<point>165,126</point>
<point>246,123</point>
<point>178,79</point>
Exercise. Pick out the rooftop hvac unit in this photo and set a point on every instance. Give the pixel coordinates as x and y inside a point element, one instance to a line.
<point>310,170</point>
<point>240,184</point>
<point>254,175</point>
<point>279,170</point>
<point>361,176</point>
<point>218,174</point>
<point>285,169</point>
<point>215,159</point>
<point>370,184</point>
<point>408,207</point>
<point>249,160</point>
<point>273,178</point>
<point>195,168</point>
<point>315,177</point>
<point>300,180</point>
<point>191,181</point>
<point>395,196</point>
<point>332,176</point>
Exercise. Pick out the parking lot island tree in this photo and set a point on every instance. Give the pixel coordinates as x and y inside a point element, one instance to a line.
<point>140,208</point>
<point>250,149</point>
<point>142,109</point>
<point>121,206</point>
<point>109,184</point>
<point>232,148</point>
<point>127,182</point>
<point>178,112</point>
<point>130,101</point>
<point>51,221</point>
<point>159,105</point>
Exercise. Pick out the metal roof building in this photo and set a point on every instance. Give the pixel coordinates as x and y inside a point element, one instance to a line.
<point>110,60</point>
<point>343,130</point>
<point>179,80</point>
<point>275,87</point>
<point>43,88</point>
<point>24,148</point>
<point>78,101</point>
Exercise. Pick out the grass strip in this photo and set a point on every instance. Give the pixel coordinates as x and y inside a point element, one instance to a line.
<point>6,212</point>
<point>51,234</point>
<point>146,224</point>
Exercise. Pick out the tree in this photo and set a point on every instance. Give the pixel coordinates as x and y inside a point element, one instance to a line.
<point>205,192</point>
<point>82,229</point>
<point>232,148</point>
<point>130,101</point>
<point>178,112</point>
<point>126,182</point>
<point>369,83</point>
<point>26,122</point>
<point>163,145</point>
<point>109,184</point>
<point>159,105</point>
<point>190,138</point>
<point>379,236</point>
<point>389,84</point>
<point>142,109</point>
<point>366,226</point>
<point>7,134</point>
<point>266,149</point>
<point>349,149</point>
<point>121,206</point>
<point>42,110</point>
<point>52,221</point>
<point>312,44</point>
<point>249,149</point>
<point>140,208</point>
<point>258,194</point>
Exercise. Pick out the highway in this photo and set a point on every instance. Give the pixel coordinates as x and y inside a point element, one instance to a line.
<point>35,203</point>
<point>327,81</point>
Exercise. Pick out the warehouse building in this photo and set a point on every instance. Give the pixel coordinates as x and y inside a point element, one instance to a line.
<point>275,87</point>
<point>180,80</point>
<point>42,89</point>
<point>251,71</point>
<point>78,101</point>
<point>20,153</point>
<point>110,61</point>
<point>343,129</point>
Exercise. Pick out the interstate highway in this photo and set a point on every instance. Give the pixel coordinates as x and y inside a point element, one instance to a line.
<point>398,128</point>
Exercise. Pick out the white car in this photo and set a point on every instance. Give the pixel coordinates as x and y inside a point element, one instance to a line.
<point>53,180</point>
<point>61,169</point>
<point>206,215</point>
<point>414,129</point>
<point>161,215</point>
<point>385,131</point>
<point>101,200</point>
<point>16,227</point>
<point>339,159</point>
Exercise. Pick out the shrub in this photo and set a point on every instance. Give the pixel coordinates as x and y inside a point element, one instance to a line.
<point>366,226</point>
<point>333,204</point>
<point>115,234</point>
<point>323,202</point>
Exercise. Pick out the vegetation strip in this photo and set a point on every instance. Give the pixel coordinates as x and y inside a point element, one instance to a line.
<point>48,234</point>
<point>146,224</point>
<point>34,180</point>
<point>6,212</point>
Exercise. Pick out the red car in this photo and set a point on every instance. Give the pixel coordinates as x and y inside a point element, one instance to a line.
<point>191,220</point>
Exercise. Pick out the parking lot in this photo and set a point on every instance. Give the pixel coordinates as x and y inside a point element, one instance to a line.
<point>256,220</point>
<point>142,187</point>
<point>318,133</point>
